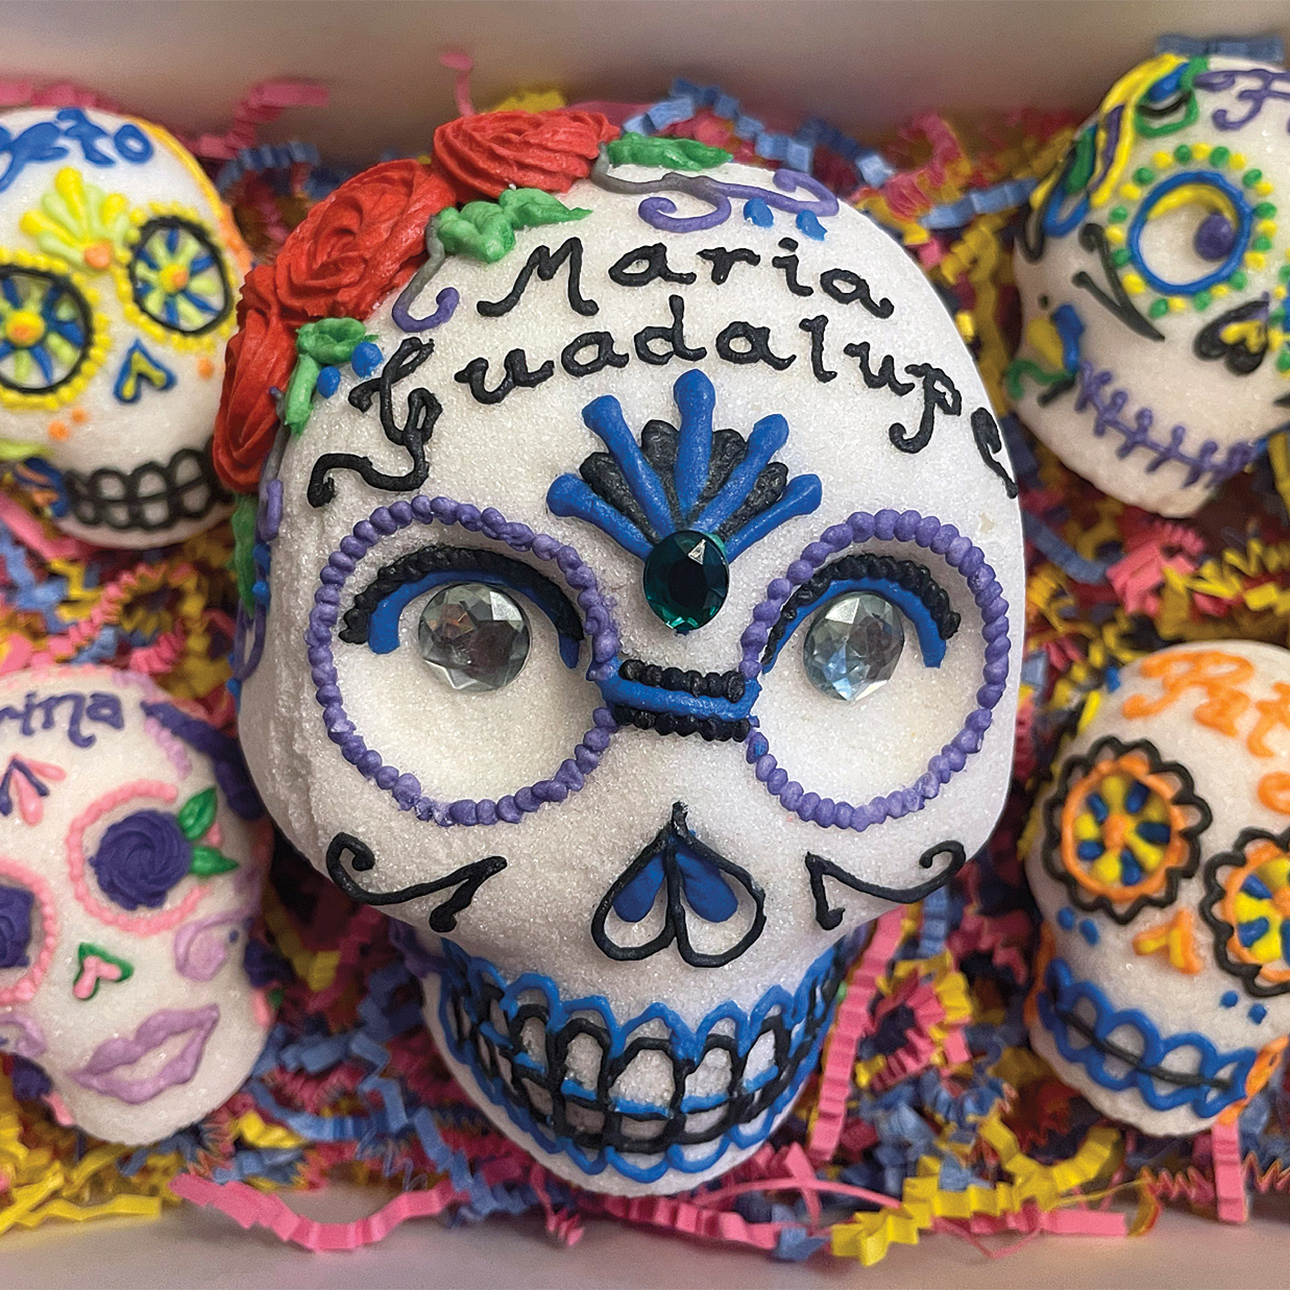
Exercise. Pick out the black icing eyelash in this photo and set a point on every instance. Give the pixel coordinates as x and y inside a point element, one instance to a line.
<point>909,574</point>
<point>432,559</point>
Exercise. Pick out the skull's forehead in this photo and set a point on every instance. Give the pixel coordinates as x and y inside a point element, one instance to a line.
<point>83,733</point>
<point>145,164</point>
<point>507,453</point>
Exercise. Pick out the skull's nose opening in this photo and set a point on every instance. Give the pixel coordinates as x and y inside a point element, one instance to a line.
<point>678,891</point>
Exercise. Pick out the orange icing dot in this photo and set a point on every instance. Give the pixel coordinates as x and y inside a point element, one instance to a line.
<point>58,430</point>
<point>205,368</point>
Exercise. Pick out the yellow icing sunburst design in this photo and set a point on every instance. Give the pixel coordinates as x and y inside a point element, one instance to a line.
<point>80,223</point>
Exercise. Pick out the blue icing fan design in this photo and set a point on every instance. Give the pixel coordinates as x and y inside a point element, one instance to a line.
<point>687,501</point>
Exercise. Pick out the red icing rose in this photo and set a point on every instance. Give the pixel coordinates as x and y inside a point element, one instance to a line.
<point>360,243</point>
<point>258,357</point>
<point>487,153</point>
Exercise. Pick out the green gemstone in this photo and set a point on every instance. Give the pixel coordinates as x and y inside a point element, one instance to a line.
<point>1158,308</point>
<point>1119,215</point>
<point>1182,153</point>
<point>1251,177</point>
<point>1201,299</point>
<point>1143,176</point>
<point>1220,155</point>
<point>686,580</point>
<point>1238,280</point>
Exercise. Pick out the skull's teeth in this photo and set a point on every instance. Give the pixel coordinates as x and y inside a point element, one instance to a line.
<point>642,1091</point>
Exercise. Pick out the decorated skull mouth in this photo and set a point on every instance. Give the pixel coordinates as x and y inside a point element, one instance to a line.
<point>1121,1049</point>
<point>150,498</point>
<point>643,1096</point>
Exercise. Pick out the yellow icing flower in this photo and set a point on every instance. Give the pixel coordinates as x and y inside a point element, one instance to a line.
<point>79,223</point>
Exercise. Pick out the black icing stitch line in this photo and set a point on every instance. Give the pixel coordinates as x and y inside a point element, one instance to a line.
<point>1215,890</point>
<point>1109,1048</point>
<point>909,574</point>
<point>117,500</point>
<point>712,729</point>
<point>412,436</point>
<point>715,685</point>
<point>663,846</point>
<point>415,565</point>
<point>1109,748</point>
<point>466,880</point>
<point>829,916</point>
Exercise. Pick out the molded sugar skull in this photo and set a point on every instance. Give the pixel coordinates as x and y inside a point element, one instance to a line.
<point>119,272</point>
<point>634,625</point>
<point>1162,867</point>
<point>1152,273</point>
<point>130,871</point>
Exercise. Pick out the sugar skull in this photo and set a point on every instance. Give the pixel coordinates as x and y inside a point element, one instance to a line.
<point>119,273</point>
<point>1161,862</point>
<point>132,853</point>
<point>631,619</point>
<point>1152,271</point>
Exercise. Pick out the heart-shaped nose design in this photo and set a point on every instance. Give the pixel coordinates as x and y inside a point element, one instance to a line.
<point>692,882</point>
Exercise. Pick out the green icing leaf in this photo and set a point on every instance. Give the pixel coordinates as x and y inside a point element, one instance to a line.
<point>531,207</point>
<point>479,229</point>
<point>654,150</point>
<point>197,814</point>
<point>209,861</point>
<point>331,341</point>
<point>243,521</point>
<point>298,402</point>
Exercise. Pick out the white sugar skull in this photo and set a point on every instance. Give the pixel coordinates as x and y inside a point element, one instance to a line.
<point>1161,863</point>
<point>119,272</point>
<point>131,865</point>
<point>1152,270</point>
<point>636,626</point>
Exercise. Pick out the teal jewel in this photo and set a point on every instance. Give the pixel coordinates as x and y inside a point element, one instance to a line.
<point>687,577</point>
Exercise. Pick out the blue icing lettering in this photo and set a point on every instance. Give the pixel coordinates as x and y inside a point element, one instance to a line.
<point>44,141</point>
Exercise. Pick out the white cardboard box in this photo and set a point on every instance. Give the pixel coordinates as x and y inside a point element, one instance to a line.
<point>865,65</point>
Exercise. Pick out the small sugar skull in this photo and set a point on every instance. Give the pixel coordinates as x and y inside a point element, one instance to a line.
<point>131,864</point>
<point>666,560</point>
<point>1152,271</point>
<point>1161,863</point>
<point>119,273</point>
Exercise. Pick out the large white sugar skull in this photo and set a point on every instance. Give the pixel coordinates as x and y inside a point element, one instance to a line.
<point>131,864</point>
<point>1161,863</point>
<point>119,273</point>
<point>569,649</point>
<point>1152,273</point>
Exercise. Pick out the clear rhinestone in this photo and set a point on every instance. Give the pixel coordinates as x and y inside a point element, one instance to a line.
<point>474,636</point>
<point>853,645</point>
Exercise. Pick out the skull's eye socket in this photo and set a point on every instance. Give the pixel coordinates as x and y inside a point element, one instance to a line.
<point>18,916</point>
<point>474,636</point>
<point>177,276</point>
<point>46,330</point>
<point>1190,233</point>
<point>853,644</point>
<point>1123,828</point>
<point>1247,903</point>
<point>1169,104</point>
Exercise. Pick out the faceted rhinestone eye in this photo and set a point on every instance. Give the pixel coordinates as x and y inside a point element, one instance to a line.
<point>474,636</point>
<point>853,645</point>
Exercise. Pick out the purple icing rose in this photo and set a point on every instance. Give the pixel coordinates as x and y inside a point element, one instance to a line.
<point>15,926</point>
<point>140,858</point>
